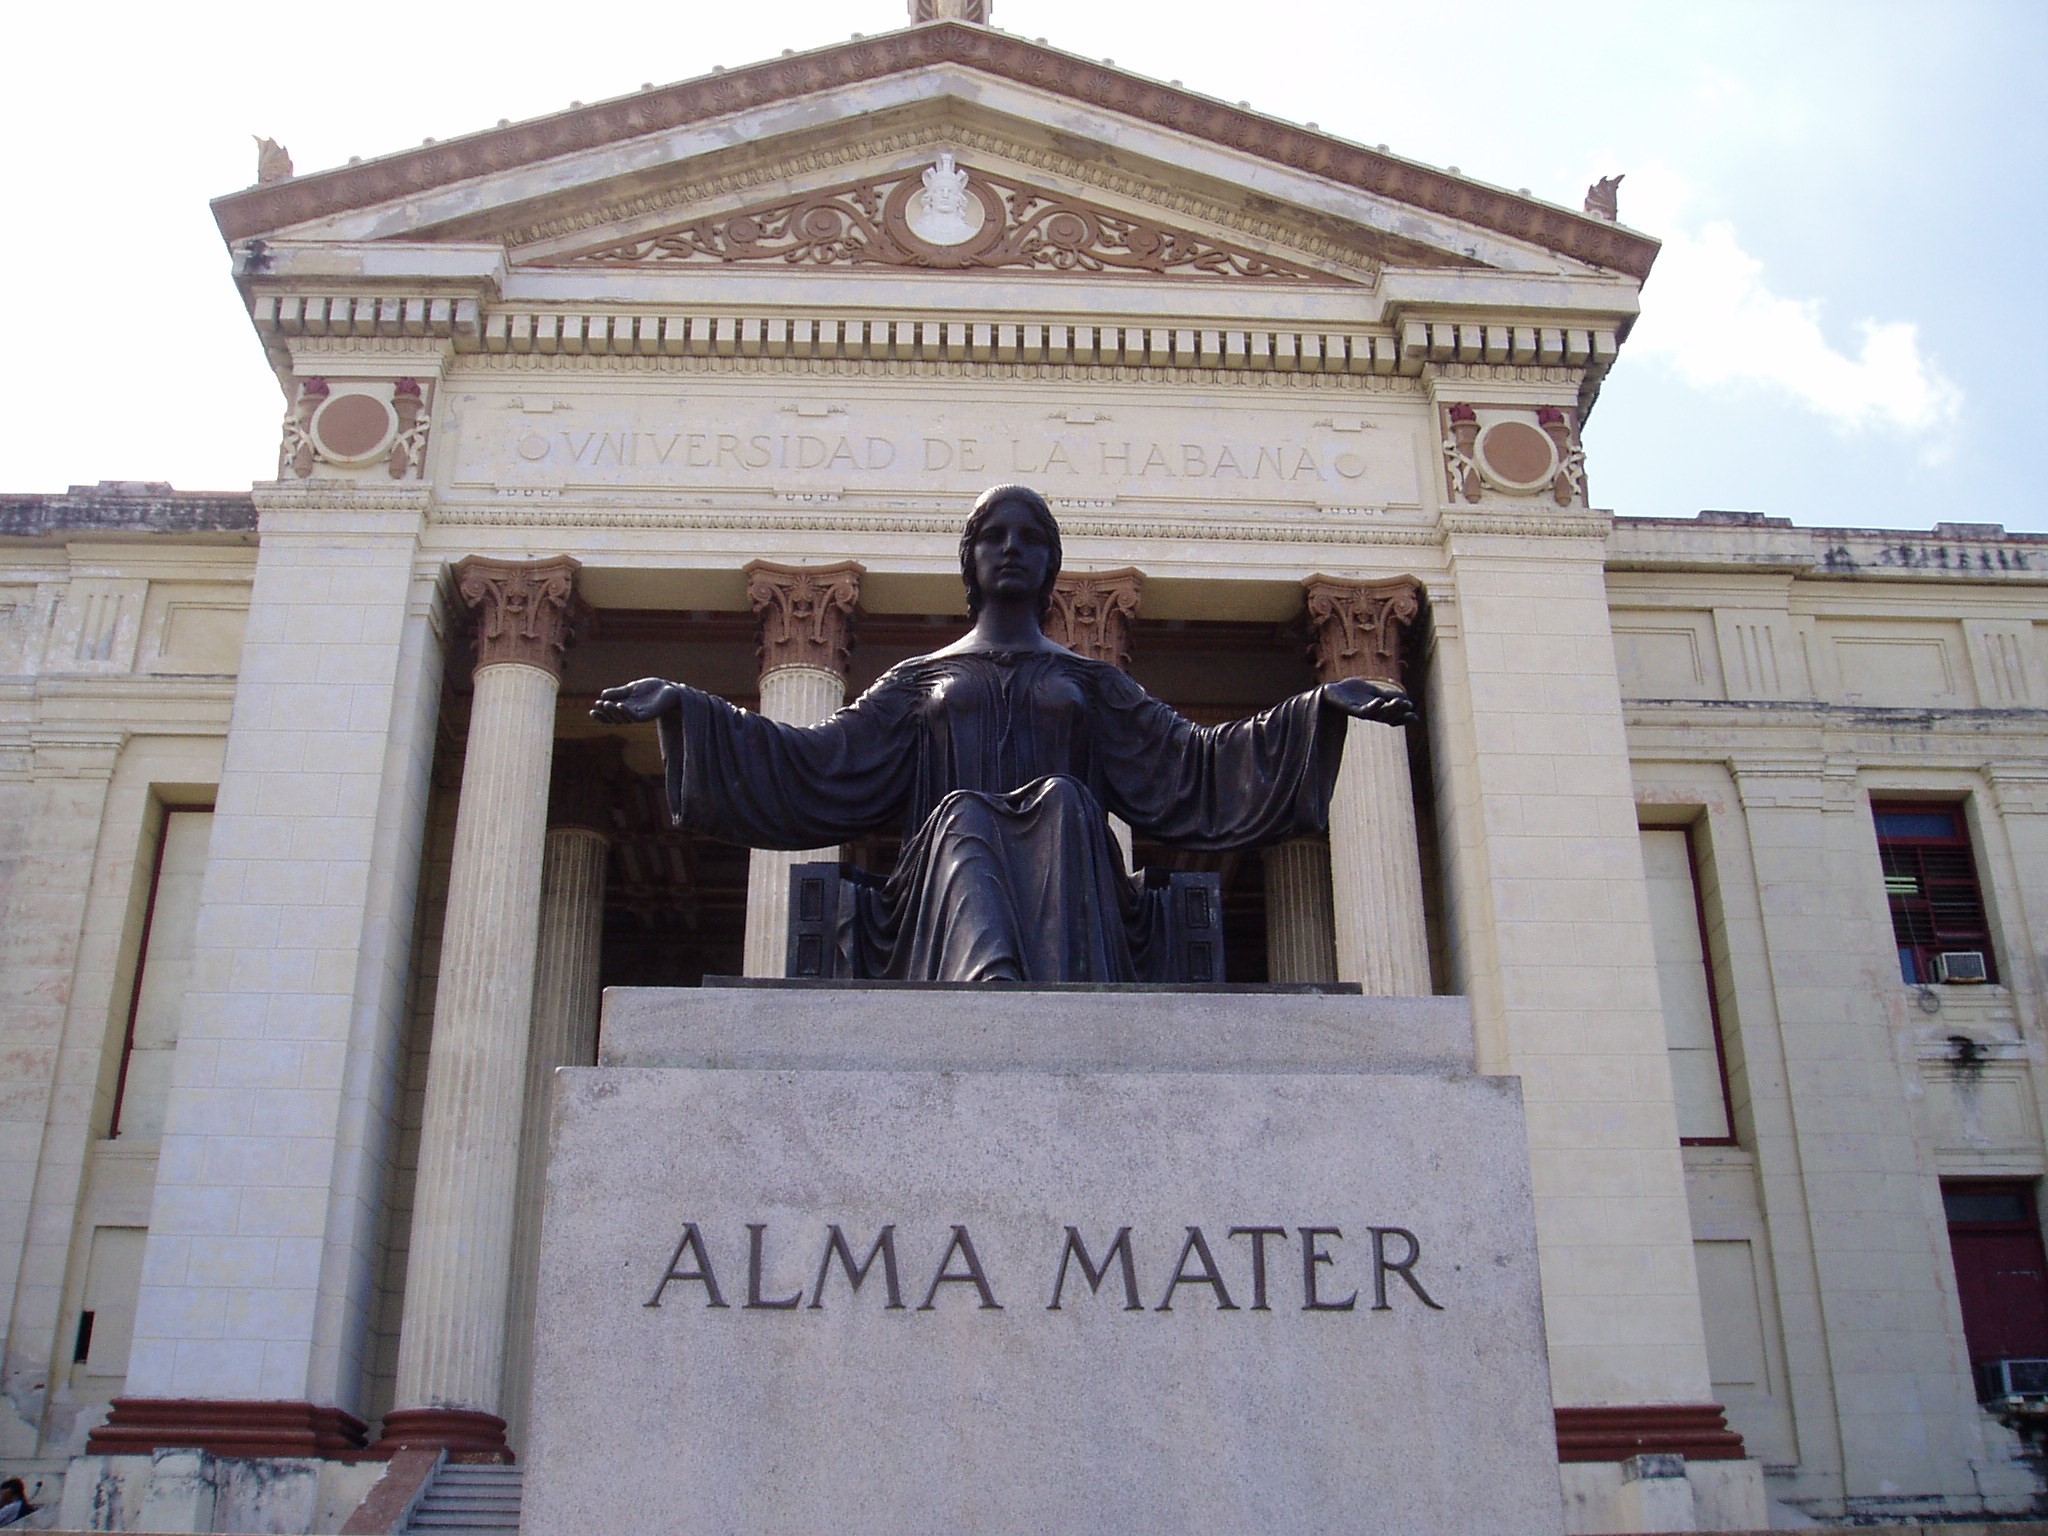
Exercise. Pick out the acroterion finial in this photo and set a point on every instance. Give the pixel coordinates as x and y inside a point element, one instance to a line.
<point>273,161</point>
<point>1603,198</point>
<point>975,11</point>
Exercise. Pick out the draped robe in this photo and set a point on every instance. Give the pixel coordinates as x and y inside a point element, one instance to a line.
<point>1000,769</point>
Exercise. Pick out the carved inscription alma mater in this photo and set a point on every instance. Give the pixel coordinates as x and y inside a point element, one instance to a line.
<point>1305,1268</point>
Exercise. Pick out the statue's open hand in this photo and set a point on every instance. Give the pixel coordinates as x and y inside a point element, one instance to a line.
<point>1364,700</point>
<point>632,702</point>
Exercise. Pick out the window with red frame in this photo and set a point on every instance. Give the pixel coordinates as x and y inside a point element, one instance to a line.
<point>1930,878</point>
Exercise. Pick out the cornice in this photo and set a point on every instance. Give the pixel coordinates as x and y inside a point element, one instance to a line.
<point>1739,543</point>
<point>339,496</point>
<point>263,209</point>
<point>150,699</point>
<point>566,515</point>
<point>1919,728</point>
<point>658,339</point>
<point>120,508</point>
<point>1265,376</point>
<point>673,339</point>
<point>1517,524</point>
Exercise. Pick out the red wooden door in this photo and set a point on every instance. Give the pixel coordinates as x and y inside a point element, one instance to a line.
<point>2001,1274</point>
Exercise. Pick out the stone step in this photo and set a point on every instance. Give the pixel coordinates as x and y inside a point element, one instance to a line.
<point>467,1499</point>
<point>429,1520</point>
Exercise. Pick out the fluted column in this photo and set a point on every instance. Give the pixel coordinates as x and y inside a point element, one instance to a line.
<point>1091,615</point>
<point>806,616</point>
<point>458,1269</point>
<point>1301,929</point>
<point>1375,868</point>
<point>565,1008</point>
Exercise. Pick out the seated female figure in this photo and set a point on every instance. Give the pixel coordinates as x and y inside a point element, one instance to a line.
<point>1001,758</point>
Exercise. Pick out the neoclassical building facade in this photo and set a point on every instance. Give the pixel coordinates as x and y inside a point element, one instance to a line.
<point>1733,832</point>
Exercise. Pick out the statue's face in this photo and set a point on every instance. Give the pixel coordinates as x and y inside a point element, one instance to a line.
<point>1011,554</point>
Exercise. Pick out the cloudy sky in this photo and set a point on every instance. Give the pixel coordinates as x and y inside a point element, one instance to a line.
<point>1850,195</point>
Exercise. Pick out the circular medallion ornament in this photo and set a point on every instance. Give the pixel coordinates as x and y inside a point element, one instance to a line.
<point>353,428</point>
<point>945,212</point>
<point>1516,456</point>
<point>944,218</point>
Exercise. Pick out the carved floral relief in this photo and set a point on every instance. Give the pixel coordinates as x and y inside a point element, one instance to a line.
<point>1355,627</point>
<point>355,426</point>
<point>1512,450</point>
<point>1092,613</point>
<point>806,613</point>
<point>525,612</point>
<point>942,217</point>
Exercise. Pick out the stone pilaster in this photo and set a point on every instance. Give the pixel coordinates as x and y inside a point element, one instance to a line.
<point>452,1344</point>
<point>806,617</point>
<point>1553,930</point>
<point>288,1041</point>
<point>1901,1392</point>
<point>565,1004</point>
<point>50,827</point>
<point>1375,867</point>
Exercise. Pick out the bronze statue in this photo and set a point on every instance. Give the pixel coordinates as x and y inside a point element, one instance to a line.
<point>1001,758</point>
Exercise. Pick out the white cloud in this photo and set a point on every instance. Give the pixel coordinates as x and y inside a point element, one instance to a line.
<point>1711,315</point>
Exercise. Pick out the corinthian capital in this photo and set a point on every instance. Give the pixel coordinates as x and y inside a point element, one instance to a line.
<point>524,610</point>
<point>806,613</point>
<point>1092,613</point>
<point>1355,627</point>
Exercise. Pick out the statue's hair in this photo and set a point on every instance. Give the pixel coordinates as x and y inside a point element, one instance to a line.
<point>984,507</point>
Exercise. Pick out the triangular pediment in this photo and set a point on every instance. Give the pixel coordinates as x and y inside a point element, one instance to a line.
<point>1073,165</point>
<point>943,211</point>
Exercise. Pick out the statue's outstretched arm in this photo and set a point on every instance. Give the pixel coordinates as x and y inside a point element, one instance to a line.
<point>1364,700</point>
<point>631,703</point>
<point>764,783</point>
<point>1236,785</point>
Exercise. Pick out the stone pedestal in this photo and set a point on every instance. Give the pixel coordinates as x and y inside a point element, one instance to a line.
<point>451,1350</point>
<point>1375,866</point>
<point>806,615</point>
<point>886,1259</point>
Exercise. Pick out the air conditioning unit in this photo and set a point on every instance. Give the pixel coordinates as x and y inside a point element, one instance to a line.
<point>2011,1379</point>
<point>1960,965</point>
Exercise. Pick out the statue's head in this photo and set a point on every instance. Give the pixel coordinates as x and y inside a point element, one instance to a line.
<point>992,500</point>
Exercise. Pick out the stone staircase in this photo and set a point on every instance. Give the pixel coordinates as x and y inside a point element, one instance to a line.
<point>469,1500</point>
